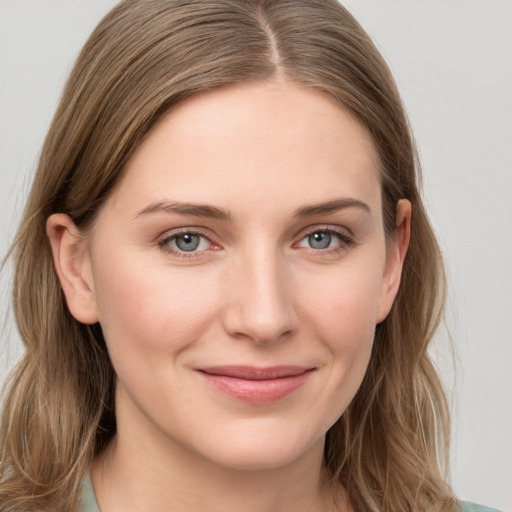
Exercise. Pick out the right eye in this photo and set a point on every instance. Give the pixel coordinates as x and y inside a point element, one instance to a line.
<point>185,243</point>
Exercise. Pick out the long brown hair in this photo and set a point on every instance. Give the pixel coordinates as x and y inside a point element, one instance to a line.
<point>143,59</point>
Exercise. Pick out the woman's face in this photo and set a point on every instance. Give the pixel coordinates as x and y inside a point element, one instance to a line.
<point>238,270</point>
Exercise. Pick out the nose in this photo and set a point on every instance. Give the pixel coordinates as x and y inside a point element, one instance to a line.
<point>260,305</point>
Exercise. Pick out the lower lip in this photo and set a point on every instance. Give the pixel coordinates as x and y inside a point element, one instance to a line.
<point>257,391</point>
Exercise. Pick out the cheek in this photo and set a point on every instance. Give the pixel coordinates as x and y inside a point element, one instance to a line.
<point>344,304</point>
<point>147,312</point>
<point>343,317</point>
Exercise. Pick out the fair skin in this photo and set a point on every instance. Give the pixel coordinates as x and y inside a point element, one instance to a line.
<point>239,329</point>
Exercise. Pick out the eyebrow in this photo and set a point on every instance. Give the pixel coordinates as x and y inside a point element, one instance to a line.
<point>331,207</point>
<point>208,211</point>
<point>196,210</point>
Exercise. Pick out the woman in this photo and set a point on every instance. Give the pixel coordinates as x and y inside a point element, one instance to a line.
<point>225,279</point>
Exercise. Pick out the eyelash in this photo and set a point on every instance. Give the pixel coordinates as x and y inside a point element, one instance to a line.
<point>345,239</point>
<point>167,239</point>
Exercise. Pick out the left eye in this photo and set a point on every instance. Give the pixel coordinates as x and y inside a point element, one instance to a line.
<point>323,239</point>
<point>186,242</point>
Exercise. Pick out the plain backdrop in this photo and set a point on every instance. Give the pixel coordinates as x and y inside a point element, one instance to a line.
<point>452,62</point>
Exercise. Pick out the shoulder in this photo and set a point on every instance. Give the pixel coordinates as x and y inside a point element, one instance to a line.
<point>473,507</point>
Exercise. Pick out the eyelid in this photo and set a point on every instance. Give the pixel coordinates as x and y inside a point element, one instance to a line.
<point>345,236</point>
<point>343,232</point>
<point>164,239</point>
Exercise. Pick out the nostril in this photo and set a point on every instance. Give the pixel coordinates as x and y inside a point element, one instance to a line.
<point>262,327</point>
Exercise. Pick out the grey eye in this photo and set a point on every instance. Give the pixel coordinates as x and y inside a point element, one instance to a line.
<point>320,240</point>
<point>187,242</point>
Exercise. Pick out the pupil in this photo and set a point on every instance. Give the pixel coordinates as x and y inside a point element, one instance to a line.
<point>187,242</point>
<point>320,240</point>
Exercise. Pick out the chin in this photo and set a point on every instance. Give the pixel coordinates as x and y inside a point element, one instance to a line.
<point>264,449</point>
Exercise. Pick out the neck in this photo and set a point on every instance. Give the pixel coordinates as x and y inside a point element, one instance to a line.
<point>129,476</point>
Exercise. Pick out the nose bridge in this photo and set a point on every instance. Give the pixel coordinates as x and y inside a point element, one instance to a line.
<point>261,303</point>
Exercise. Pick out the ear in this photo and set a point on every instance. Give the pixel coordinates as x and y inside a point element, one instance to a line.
<point>395,258</point>
<point>73,265</point>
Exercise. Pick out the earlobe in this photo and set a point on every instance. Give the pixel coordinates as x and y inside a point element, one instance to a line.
<point>395,258</point>
<point>73,266</point>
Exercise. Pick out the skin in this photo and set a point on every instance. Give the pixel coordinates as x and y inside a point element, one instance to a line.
<point>255,292</point>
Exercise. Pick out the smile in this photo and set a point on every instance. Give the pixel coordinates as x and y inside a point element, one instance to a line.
<point>256,385</point>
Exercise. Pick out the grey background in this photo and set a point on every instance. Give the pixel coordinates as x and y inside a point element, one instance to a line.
<point>452,61</point>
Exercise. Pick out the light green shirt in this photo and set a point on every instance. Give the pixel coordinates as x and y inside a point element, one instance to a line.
<point>473,507</point>
<point>89,503</point>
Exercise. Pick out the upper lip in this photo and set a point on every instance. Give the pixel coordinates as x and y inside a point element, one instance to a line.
<point>255,373</point>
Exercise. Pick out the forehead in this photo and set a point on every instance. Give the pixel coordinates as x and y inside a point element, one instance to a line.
<point>257,142</point>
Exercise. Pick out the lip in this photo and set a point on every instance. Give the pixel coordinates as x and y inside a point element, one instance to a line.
<point>256,385</point>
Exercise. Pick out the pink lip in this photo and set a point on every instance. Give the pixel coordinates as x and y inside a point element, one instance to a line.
<point>256,385</point>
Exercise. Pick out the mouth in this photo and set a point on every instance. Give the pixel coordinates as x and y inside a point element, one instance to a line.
<point>256,385</point>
